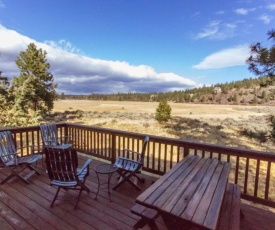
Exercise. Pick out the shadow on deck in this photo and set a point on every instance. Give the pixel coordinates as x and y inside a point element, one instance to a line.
<point>28,206</point>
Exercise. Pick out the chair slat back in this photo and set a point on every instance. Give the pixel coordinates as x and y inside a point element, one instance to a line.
<point>49,134</point>
<point>7,146</point>
<point>61,164</point>
<point>144,146</point>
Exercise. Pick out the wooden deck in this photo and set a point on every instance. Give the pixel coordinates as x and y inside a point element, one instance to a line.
<point>28,206</point>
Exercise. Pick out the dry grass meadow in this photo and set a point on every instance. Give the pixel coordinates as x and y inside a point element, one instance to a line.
<point>230,125</point>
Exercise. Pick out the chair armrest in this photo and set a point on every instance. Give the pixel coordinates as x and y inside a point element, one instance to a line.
<point>86,164</point>
<point>9,154</point>
<point>132,151</point>
<point>67,139</point>
<point>32,148</point>
<point>49,142</point>
<point>138,154</point>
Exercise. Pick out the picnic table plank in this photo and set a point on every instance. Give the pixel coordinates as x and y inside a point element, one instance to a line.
<point>196,198</point>
<point>186,191</point>
<point>170,197</point>
<point>212,218</point>
<point>201,211</point>
<point>177,169</point>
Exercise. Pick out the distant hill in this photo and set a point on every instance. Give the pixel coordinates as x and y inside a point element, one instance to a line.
<point>251,91</point>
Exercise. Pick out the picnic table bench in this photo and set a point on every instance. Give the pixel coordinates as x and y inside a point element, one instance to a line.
<point>231,208</point>
<point>147,215</point>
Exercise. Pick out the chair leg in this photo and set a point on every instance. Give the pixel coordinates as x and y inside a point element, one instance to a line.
<point>142,180</point>
<point>82,187</point>
<point>86,188</point>
<point>8,178</point>
<point>15,173</point>
<point>126,178</point>
<point>58,189</point>
<point>34,169</point>
<point>132,183</point>
<point>80,192</point>
<point>22,178</point>
<point>121,180</point>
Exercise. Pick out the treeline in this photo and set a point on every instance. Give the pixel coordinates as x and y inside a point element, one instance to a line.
<point>200,94</point>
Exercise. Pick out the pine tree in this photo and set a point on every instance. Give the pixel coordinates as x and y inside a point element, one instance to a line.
<point>33,90</point>
<point>262,59</point>
<point>163,112</point>
<point>262,63</point>
<point>255,101</point>
<point>263,94</point>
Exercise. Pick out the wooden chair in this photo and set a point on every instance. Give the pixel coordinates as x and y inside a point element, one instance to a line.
<point>128,168</point>
<point>63,172</point>
<point>50,137</point>
<point>9,157</point>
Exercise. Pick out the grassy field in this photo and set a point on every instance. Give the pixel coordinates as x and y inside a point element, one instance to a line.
<point>231,125</point>
<point>218,124</point>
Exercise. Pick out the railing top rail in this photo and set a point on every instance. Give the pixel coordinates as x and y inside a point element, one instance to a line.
<point>235,151</point>
<point>241,152</point>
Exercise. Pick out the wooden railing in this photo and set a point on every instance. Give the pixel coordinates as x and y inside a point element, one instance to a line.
<point>253,170</point>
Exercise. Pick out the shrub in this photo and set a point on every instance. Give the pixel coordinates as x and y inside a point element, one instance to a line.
<point>163,112</point>
<point>79,113</point>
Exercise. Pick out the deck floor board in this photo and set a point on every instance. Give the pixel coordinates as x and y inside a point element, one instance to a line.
<point>28,206</point>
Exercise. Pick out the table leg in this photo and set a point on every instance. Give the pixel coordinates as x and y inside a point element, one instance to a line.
<point>101,184</point>
<point>109,179</point>
<point>176,224</point>
<point>98,185</point>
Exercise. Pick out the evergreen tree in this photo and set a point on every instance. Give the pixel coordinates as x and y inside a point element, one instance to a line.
<point>33,90</point>
<point>235,98</point>
<point>262,59</point>
<point>255,100</point>
<point>62,96</point>
<point>5,106</point>
<point>263,94</point>
<point>262,63</point>
<point>163,112</point>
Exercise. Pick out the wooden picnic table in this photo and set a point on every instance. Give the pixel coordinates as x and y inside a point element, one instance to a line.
<point>190,195</point>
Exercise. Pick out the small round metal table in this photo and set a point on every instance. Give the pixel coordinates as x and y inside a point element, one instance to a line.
<point>107,169</point>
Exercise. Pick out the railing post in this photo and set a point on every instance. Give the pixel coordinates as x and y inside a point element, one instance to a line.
<point>186,151</point>
<point>113,151</point>
<point>66,131</point>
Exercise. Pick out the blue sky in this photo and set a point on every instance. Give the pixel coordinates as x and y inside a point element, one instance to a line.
<point>111,46</point>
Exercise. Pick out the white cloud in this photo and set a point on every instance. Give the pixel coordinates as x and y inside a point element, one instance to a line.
<point>225,58</point>
<point>79,74</point>
<point>271,7</point>
<point>220,12</point>
<point>216,30</point>
<point>2,5</point>
<point>196,14</point>
<point>65,45</point>
<point>231,25</point>
<point>265,18</point>
<point>243,11</point>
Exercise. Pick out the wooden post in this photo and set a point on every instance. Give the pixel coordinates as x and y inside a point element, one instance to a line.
<point>113,151</point>
<point>186,151</point>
